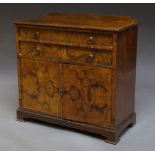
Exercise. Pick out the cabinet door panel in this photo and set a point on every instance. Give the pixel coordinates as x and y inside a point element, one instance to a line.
<point>87,94</point>
<point>40,83</point>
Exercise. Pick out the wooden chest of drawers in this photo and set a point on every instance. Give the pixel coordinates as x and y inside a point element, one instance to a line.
<point>78,71</point>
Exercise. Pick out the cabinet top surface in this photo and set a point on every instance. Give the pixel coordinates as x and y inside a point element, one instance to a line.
<point>83,21</point>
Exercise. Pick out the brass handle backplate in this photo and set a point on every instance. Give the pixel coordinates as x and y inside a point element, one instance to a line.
<point>90,58</point>
<point>36,35</point>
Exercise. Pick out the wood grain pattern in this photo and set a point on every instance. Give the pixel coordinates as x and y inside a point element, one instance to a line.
<point>65,36</point>
<point>40,84</point>
<point>87,94</point>
<point>34,50</point>
<point>82,21</point>
<point>90,56</point>
<point>64,53</point>
<point>126,74</point>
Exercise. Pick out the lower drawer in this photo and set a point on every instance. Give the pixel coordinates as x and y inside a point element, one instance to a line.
<point>66,53</point>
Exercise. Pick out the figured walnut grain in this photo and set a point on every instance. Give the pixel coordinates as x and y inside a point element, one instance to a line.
<point>40,83</point>
<point>87,96</point>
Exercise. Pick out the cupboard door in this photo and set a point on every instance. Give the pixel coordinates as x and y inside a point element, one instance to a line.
<point>86,95</point>
<point>40,82</point>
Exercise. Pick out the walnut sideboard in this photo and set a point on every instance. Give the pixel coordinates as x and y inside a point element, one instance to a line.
<point>78,71</point>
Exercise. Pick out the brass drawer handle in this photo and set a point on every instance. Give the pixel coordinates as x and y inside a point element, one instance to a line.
<point>90,58</point>
<point>36,35</point>
<point>90,40</point>
<point>20,54</point>
<point>37,51</point>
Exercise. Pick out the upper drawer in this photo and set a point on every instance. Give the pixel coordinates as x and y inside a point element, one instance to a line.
<point>62,37</point>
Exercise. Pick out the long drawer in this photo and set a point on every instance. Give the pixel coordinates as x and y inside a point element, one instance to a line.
<point>66,53</point>
<point>60,36</point>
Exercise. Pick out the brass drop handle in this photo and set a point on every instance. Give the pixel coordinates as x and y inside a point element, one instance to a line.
<point>90,40</point>
<point>90,58</point>
<point>36,35</point>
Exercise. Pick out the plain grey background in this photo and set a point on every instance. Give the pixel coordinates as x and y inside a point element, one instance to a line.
<point>39,136</point>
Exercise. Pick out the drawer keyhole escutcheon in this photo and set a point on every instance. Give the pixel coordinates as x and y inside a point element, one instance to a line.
<point>36,35</point>
<point>62,91</point>
<point>90,58</point>
<point>90,40</point>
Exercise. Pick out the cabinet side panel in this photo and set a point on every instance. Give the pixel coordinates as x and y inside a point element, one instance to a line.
<point>126,74</point>
<point>18,63</point>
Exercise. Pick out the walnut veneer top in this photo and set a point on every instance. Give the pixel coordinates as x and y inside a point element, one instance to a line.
<point>98,22</point>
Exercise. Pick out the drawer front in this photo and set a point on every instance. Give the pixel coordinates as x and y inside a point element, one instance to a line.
<point>67,54</point>
<point>88,56</point>
<point>36,50</point>
<point>61,36</point>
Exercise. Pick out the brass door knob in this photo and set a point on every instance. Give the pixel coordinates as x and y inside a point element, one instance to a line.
<point>90,40</point>
<point>36,35</point>
<point>90,58</point>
